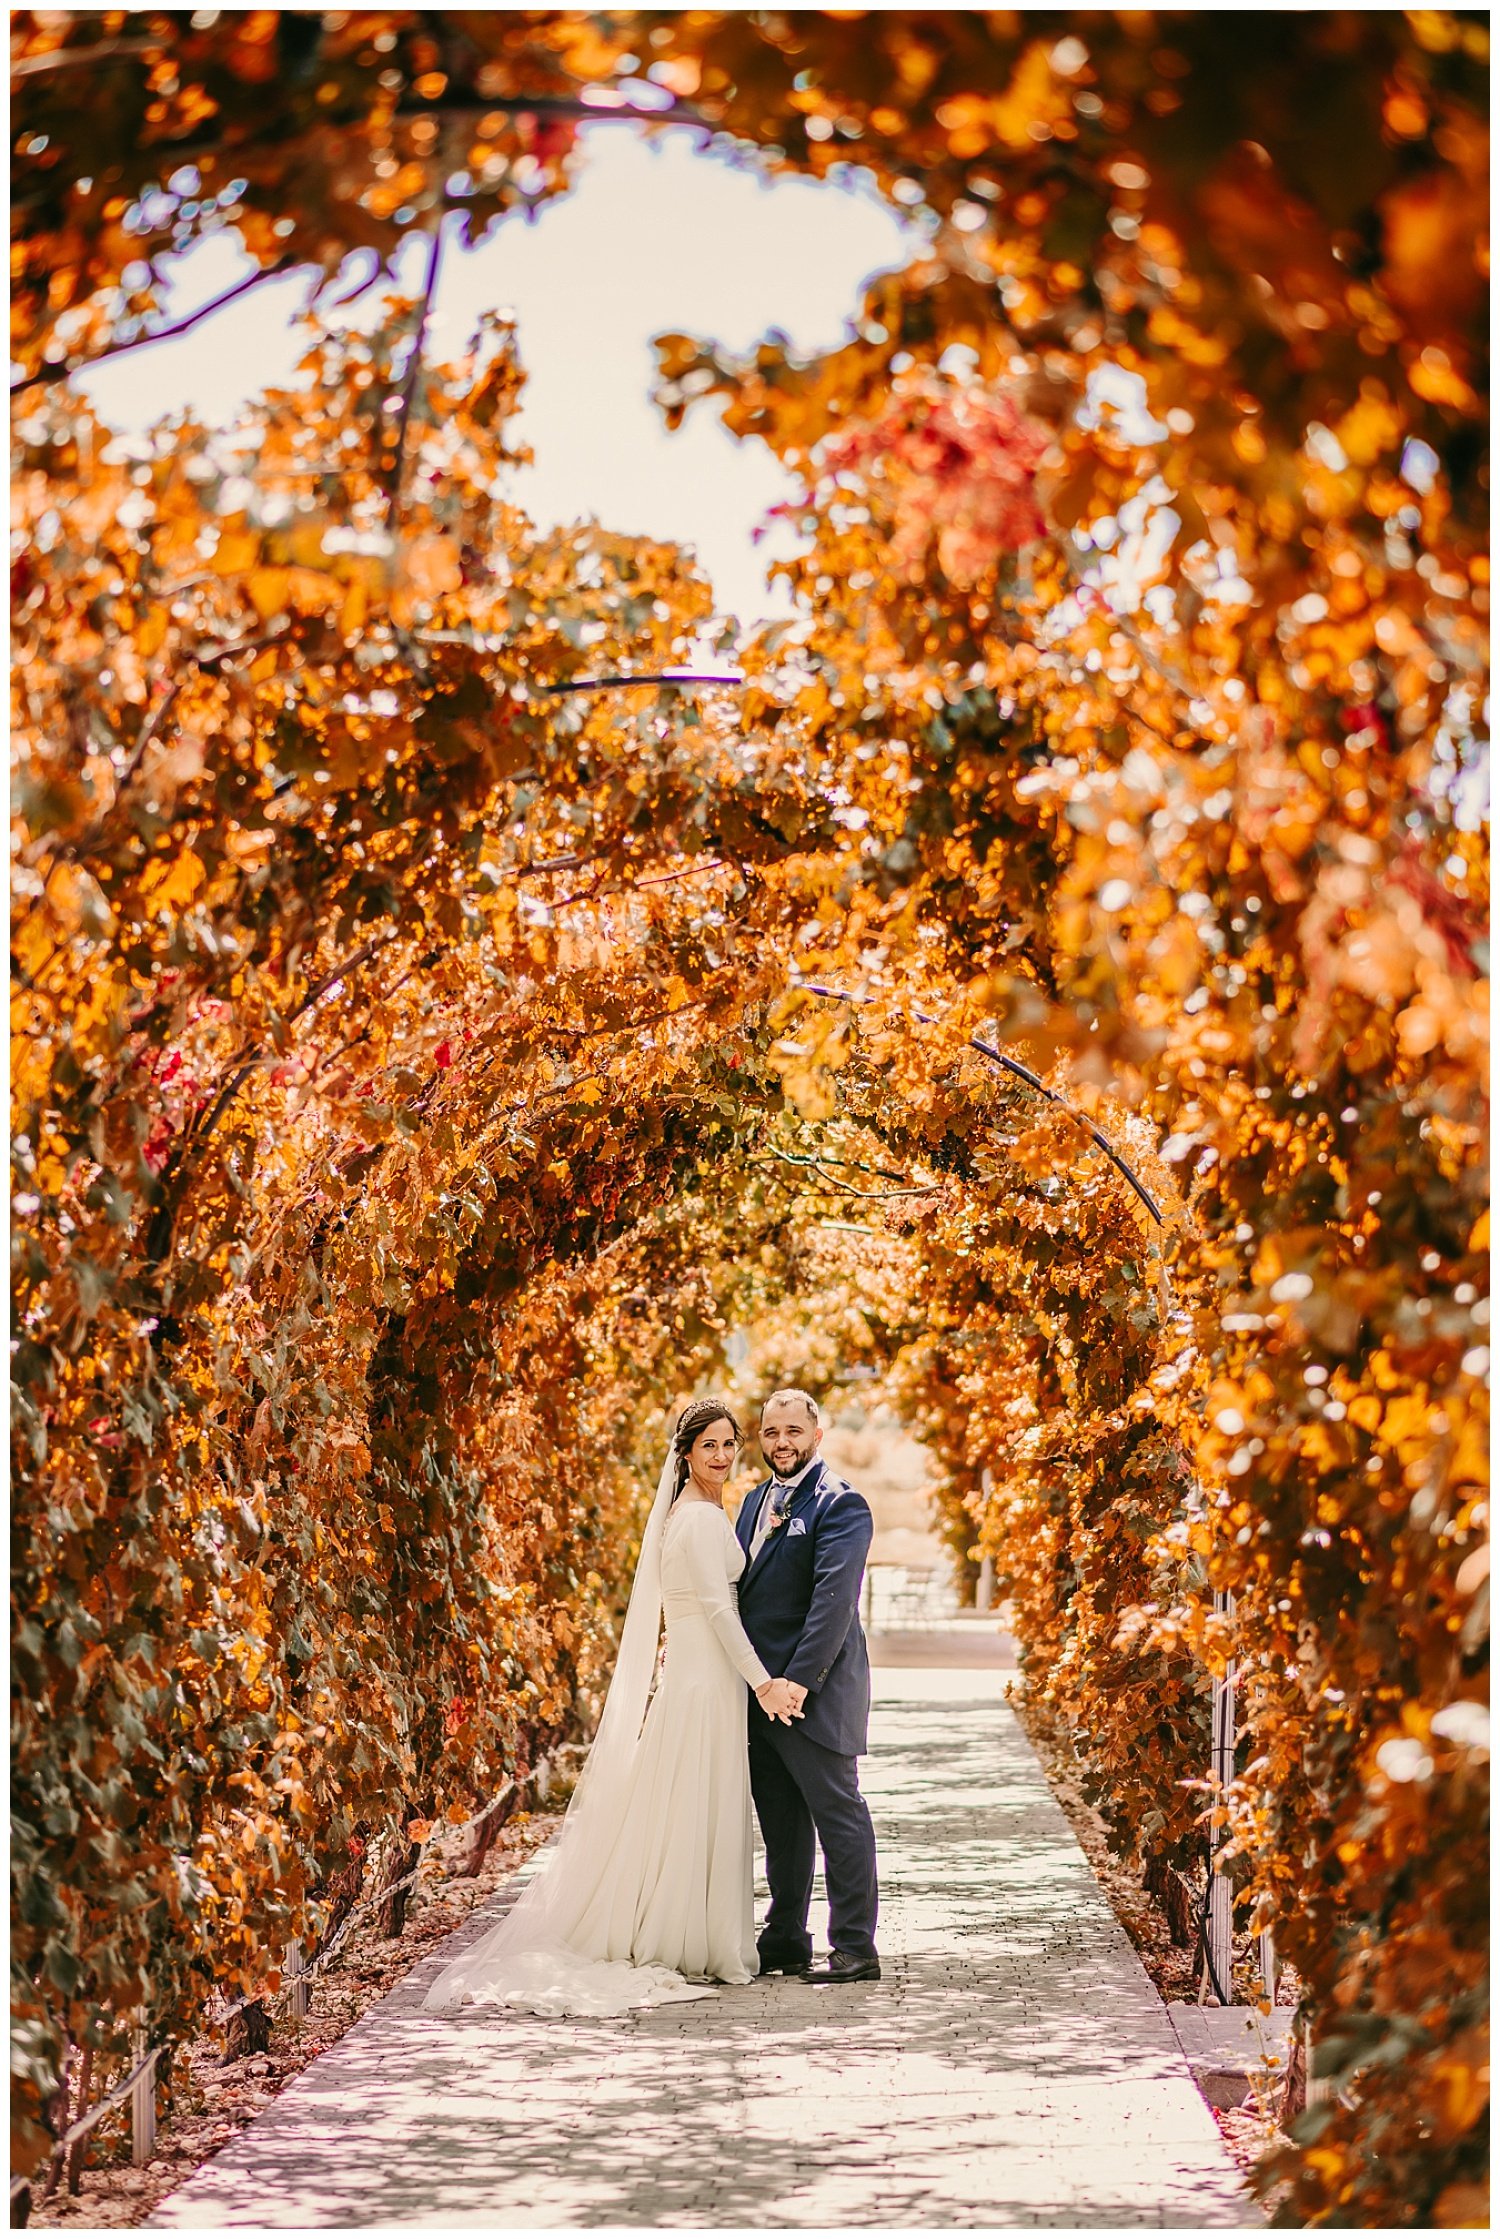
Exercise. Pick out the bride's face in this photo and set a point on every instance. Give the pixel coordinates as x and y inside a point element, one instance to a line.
<point>711,1455</point>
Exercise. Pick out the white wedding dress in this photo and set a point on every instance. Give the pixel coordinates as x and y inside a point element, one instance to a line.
<point>647,1895</point>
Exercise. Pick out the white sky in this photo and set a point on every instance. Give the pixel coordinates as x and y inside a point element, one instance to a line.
<point>656,237</point>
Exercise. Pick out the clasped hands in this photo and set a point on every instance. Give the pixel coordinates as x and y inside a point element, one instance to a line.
<point>781,1698</point>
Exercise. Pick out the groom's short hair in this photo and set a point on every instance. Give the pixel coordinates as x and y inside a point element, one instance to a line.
<point>795,1391</point>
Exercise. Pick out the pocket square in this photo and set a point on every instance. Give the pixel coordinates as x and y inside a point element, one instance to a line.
<point>796,1529</point>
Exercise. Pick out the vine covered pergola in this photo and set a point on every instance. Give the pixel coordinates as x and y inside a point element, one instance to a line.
<point>1046,976</point>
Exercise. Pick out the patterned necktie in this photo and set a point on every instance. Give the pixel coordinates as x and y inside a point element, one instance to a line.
<point>775,1507</point>
<point>769,1517</point>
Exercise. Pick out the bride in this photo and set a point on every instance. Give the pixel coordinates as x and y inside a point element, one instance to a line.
<point>646,1895</point>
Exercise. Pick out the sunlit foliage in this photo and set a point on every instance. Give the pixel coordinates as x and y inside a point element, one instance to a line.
<point>418,1076</point>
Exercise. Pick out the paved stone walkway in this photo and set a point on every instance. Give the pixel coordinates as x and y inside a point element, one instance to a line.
<point>1014,2067</point>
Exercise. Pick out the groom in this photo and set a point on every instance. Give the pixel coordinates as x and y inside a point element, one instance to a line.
<point>806,1534</point>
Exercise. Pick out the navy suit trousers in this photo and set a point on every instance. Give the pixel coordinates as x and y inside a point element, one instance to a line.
<point>802,1789</point>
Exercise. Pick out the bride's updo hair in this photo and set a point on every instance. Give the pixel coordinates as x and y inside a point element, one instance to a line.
<point>691,1424</point>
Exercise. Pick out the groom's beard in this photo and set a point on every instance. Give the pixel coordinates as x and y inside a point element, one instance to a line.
<point>789,1474</point>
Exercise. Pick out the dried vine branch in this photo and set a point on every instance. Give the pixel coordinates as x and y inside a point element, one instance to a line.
<point>47,375</point>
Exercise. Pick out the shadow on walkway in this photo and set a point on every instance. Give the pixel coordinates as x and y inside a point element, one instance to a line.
<point>1014,2066</point>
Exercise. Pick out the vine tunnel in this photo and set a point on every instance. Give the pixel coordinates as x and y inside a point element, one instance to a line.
<point>373,1205</point>
<point>592,1291</point>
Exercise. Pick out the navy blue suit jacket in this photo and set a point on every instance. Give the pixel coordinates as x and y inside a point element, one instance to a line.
<point>799,1603</point>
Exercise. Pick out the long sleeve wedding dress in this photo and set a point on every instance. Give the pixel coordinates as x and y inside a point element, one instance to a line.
<point>647,1896</point>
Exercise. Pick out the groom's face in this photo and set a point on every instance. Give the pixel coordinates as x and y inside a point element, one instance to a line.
<point>788,1436</point>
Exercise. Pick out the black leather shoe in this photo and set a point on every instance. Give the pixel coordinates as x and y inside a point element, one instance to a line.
<point>847,1966</point>
<point>773,1963</point>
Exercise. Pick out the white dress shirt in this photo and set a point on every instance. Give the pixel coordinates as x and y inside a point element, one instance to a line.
<point>773,1507</point>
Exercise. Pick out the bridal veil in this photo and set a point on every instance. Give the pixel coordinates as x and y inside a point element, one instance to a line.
<point>527,1959</point>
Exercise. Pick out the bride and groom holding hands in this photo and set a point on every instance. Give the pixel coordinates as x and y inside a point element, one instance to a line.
<point>647,1894</point>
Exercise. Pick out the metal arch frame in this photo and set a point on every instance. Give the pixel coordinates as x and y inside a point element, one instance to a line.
<point>1011,1065</point>
<point>1021,1072</point>
<point>655,676</point>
